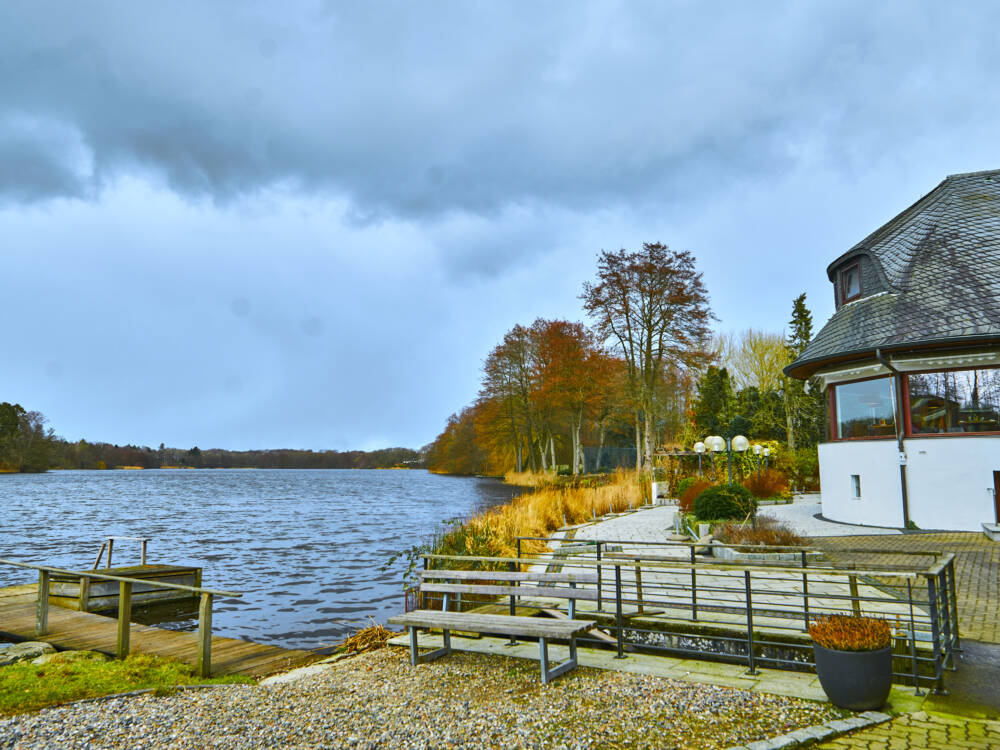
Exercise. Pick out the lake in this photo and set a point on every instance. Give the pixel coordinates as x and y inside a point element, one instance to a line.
<point>307,549</point>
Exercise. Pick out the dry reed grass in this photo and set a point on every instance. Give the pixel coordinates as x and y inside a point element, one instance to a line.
<point>366,639</point>
<point>539,513</point>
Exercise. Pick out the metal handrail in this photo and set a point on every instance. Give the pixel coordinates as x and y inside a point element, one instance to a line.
<point>776,615</point>
<point>685,565</point>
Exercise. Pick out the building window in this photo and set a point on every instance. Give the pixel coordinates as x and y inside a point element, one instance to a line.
<point>865,409</point>
<point>850,283</point>
<point>955,401</point>
<point>856,486</point>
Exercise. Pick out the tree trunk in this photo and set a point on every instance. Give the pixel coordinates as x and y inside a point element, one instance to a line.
<point>648,441</point>
<point>552,451</point>
<point>638,443</point>
<point>600,448</point>
<point>517,455</point>
<point>789,421</point>
<point>541,452</point>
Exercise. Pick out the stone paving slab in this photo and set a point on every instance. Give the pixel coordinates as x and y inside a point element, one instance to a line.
<point>922,731</point>
<point>977,571</point>
<point>799,516</point>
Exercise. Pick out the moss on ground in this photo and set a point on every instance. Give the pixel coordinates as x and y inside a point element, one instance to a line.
<point>29,687</point>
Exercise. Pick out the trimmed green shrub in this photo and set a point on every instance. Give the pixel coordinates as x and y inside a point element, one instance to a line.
<point>722,501</point>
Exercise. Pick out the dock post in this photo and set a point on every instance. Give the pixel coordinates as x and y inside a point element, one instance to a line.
<point>42,618</point>
<point>124,615</point>
<point>84,595</point>
<point>111,546</point>
<point>205,635</point>
<point>143,544</point>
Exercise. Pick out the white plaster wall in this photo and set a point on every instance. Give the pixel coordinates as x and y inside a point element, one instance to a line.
<point>877,463</point>
<point>949,479</point>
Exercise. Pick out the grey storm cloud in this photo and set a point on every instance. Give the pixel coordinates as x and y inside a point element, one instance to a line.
<point>417,110</point>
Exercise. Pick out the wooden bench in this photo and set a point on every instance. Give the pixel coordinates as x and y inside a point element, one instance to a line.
<point>454,583</point>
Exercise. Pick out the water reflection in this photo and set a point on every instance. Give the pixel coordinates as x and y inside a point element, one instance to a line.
<point>307,548</point>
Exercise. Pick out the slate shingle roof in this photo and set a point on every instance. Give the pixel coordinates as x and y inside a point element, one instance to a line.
<point>940,260</point>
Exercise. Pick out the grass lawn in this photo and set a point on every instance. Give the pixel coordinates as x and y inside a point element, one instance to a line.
<point>28,687</point>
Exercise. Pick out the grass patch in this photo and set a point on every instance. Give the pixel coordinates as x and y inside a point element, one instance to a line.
<point>28,687</point>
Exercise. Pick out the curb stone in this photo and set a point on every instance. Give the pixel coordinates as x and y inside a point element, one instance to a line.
<point>817,732</point>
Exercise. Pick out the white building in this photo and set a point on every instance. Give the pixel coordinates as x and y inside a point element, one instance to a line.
<point>910,364</point>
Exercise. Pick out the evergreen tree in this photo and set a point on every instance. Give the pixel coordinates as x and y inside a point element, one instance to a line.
<point>713,406</point>
<point>803,411</point>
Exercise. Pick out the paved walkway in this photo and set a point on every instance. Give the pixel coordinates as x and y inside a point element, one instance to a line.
<point>800,516</point>
<point>977,571</point>
<point>920,730</point>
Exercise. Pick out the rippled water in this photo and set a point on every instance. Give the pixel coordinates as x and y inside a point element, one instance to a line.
<point>306,548</point>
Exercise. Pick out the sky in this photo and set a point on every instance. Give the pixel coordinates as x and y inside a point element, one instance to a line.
<point>306,224</point>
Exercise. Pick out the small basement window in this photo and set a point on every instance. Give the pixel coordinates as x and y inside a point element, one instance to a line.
<point>856,486</point>
<point>850,283</point>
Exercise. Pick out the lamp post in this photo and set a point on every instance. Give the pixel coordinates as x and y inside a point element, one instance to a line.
<point>699,448</point>
<point>756,451</point>
<point>767,452</point>
<point>717,444</point>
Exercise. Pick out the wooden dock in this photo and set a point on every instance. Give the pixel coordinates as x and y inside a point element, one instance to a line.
<point>69,629</point>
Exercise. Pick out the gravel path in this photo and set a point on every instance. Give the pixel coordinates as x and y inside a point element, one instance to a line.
<point>377,700</point>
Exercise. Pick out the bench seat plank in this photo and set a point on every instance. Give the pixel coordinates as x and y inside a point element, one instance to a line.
<point>528,627</point>
<point>554,592</point>
<point>499,575</point>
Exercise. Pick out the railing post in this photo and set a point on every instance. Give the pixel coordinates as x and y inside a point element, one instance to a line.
<point>513,597</point>
<point>124,615</point>
<point>205,635</point>
<point>42,609</point>
<point>941,581</point>
<point>805,593</point>
<point>953,593</point>
<point>694,586</point>
<point>852,583</point>
<point>913,639</point>
<point>932,607</point>
<point>600,604</point>
<point>750,644</point>
<point>618,610</point>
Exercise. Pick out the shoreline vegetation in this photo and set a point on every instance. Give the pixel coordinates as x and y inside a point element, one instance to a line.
<point>552,503</point>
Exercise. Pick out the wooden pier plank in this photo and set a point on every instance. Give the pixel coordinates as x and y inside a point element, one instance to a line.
<point>70,629</point>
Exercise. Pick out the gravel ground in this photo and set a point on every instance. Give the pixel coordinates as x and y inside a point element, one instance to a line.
<point>376,700</point>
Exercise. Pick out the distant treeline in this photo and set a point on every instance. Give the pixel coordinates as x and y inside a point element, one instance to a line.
<point>27,446</point>
<point>84,455</point>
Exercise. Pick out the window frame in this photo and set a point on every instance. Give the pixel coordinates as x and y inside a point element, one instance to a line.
<point>907,417</point>
<point>844,298</point>
<point>832,409</point>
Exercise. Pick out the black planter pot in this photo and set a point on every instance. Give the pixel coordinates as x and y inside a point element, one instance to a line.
<point>856,680</point>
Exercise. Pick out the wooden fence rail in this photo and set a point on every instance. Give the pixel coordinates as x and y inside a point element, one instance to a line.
<point>204,664</point>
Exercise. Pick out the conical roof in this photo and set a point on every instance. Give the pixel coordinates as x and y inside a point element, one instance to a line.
<point>939,268</point>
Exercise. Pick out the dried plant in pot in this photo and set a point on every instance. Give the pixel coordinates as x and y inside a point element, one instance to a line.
<point>853,660</point>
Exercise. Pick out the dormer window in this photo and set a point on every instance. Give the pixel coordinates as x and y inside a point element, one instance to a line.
<point>850,283</point>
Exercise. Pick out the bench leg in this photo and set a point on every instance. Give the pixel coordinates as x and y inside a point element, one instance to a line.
<point>417,658</point>
<point>550,674</point>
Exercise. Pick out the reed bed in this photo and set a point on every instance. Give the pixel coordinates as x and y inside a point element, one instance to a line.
<point>538,513</point>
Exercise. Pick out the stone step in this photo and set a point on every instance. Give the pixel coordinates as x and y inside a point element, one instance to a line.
<point>992,531</point>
